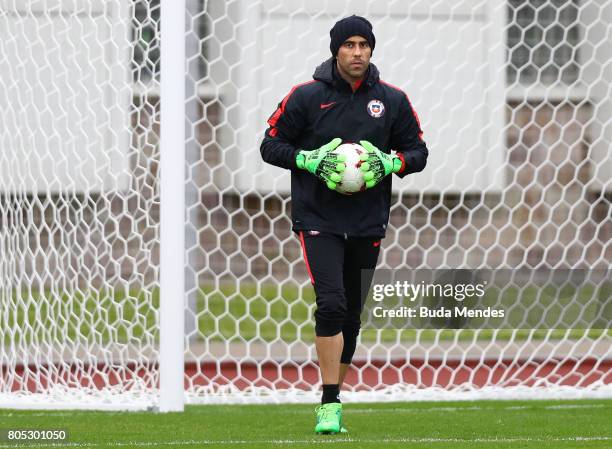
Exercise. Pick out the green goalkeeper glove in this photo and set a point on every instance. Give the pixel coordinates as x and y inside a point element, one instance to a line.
<point>323,163</point>
<point>378,165</point>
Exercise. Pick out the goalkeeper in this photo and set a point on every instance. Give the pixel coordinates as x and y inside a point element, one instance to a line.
<point>340,235</point>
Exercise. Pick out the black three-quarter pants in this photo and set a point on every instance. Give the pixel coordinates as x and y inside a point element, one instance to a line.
<point>335,265</point>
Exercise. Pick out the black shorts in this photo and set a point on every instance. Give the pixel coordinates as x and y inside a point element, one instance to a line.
<point>335,265</point>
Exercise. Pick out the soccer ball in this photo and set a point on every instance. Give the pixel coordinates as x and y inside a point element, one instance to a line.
<point>352,177</point>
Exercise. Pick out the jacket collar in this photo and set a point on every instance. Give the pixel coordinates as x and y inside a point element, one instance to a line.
<point>327,73</point>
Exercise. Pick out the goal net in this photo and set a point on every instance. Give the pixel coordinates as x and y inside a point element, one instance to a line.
<point>515,100</point>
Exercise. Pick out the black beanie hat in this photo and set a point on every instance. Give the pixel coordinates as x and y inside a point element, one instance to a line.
<point>347,27</point>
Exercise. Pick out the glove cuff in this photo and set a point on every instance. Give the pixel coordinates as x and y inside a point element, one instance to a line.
<point>300,160</point>
<point>402,167</point>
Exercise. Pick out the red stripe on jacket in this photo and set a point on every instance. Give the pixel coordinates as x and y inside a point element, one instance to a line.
<point>281,109</point>
<point>416,116</point>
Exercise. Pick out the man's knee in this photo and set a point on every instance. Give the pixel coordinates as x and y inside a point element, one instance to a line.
<point>330,314</point>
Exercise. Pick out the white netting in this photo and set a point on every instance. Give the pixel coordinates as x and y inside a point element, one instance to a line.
<point>78,206</point>
<point>515,101</point>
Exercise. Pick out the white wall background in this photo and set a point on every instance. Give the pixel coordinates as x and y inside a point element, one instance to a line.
<point>447,56</point>
<point>64,96</point>
<point>66,86</point>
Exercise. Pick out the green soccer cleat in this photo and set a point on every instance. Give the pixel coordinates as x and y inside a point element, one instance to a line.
<point>329,418</point>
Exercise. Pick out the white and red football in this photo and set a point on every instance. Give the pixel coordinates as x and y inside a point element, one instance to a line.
<point>352,177</point>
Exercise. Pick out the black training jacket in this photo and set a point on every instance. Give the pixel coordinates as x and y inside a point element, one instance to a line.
<point>314,113</point>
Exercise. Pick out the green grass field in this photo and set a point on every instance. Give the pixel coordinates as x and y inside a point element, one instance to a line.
<point>267,312</point>
<point>483,424</point>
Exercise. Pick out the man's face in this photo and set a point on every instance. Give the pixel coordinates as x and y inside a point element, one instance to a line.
<point>354,58</point>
